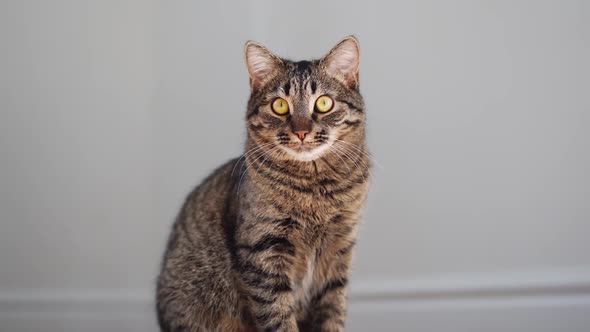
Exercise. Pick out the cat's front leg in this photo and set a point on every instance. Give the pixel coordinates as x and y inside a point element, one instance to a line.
<point>328,306</point>
<point>328,310</point>
<point>265,265</point>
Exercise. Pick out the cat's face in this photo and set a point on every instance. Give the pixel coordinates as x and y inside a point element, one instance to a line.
<point>303,110</point>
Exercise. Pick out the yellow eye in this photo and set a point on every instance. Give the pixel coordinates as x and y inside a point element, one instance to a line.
<point>280,106</point>
<point>324,104</point>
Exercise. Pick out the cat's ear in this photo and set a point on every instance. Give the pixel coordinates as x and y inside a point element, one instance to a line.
<point>262,64</point>
<point>342,62</point>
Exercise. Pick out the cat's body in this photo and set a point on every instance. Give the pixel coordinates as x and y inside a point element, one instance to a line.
<point>265,242</point>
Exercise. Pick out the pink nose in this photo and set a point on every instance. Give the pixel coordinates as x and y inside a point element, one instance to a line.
<point>301,134</point>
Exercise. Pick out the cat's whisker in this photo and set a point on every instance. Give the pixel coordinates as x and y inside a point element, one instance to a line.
<point>242,157</point>
<point>354,146</point>
<point>266,153</point>
<point>360,159</point>
<point>269,154</point>
<point>251,151</point>
<point>347,154</point>
<point>257,157</point>
<point>364,151</point>
<point>357,161</point>
<point>281,153</point>
<point>259,152</point>
<point>356,153</point>
<point>333,149</point>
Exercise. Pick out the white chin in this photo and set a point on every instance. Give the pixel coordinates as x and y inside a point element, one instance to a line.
<point>310,155</point>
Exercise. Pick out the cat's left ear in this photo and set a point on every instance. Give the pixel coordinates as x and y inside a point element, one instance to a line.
<point>342,62</point>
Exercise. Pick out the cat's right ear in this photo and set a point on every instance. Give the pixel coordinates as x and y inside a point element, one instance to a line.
<point>262,64</point>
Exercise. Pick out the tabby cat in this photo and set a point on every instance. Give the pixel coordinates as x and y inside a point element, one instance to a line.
<point>265,242</point>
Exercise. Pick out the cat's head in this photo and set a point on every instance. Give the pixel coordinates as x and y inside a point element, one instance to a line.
<point>303,110</point>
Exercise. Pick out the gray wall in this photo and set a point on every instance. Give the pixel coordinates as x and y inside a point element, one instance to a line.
<point>479,214</point>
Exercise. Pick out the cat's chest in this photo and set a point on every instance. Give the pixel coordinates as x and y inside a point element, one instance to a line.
<point>318,254</point>
<point>317,236</point>
<point>303,288</point>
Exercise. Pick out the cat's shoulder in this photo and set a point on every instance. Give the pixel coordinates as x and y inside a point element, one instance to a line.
<point>220,178</point>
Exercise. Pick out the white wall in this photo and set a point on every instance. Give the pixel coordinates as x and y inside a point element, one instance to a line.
<point>478,218</point>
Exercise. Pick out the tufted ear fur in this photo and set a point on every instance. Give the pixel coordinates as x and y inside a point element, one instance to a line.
<point>342,62</point>
<point>262,64</point>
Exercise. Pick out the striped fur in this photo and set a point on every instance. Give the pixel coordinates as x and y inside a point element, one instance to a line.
<point>265,242</point>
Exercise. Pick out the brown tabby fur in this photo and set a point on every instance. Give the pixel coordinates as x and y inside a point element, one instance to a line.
<point>265,242</point>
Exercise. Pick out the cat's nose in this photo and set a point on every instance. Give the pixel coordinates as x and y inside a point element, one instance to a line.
<point>301,134</point>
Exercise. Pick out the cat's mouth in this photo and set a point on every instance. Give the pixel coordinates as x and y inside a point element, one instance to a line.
<point>305,147</point>
<point>306,151</point>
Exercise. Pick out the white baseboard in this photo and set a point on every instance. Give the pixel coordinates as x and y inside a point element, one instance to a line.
<point>543,301</point>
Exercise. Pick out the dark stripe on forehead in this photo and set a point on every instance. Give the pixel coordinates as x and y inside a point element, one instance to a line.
<point>287,88</point>
<point>303,67</point>
<point>314,86</point>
